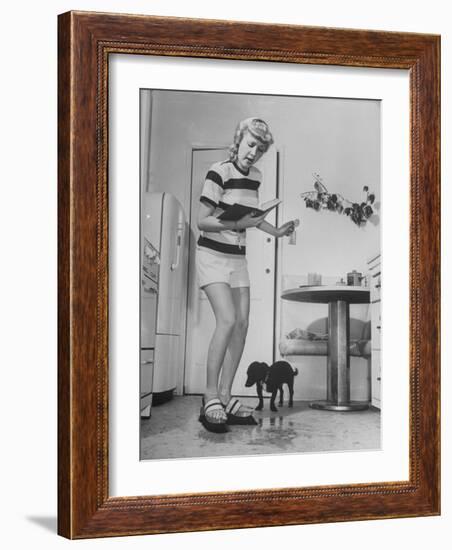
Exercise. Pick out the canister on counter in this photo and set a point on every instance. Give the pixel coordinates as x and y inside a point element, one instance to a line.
<point>354,278</point>
<point>314,279</point>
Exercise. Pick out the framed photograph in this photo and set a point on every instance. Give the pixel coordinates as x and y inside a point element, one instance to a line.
<point>249,261</point>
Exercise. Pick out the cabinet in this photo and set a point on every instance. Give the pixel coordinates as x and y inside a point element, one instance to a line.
<point>146,379</point>
<point>374,273</point>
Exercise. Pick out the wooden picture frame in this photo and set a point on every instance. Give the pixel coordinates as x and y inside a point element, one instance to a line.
<point>85,42</point>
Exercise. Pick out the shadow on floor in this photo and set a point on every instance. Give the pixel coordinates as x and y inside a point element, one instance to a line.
<point>49,523</point>
<point>173,431</point>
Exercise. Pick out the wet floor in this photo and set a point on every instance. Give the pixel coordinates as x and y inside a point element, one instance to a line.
<point>173,431</point>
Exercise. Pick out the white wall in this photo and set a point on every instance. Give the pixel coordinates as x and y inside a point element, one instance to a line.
<point>338,138</point>
<point>28,303</point>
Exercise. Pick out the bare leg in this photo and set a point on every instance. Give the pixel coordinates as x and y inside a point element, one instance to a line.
<point>221,300</point>
<point>241,299</point>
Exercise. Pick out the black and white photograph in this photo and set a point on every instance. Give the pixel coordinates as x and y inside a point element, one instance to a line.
<point>260,275</point>
<point>230,328</point>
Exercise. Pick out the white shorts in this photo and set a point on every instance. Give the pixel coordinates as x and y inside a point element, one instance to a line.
<point>213,268</point>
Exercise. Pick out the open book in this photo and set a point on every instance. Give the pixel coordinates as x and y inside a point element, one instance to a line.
<point>236,211</point>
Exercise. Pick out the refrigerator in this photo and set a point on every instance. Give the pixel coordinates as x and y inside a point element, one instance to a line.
<point>163,297</point>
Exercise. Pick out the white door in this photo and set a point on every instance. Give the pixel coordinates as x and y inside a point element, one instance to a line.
<point>261,264</point>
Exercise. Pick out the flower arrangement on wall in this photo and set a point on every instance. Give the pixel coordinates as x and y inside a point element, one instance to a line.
<point>321,199</point>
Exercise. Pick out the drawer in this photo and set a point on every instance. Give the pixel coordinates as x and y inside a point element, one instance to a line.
<point>374,261</point>
<point>374,274</point>
<point>376,327</point>
<point>376,378</point>
<point>145,406</point>
<point>146,381</point>
<point>146,371</point>
<point>375,285</point>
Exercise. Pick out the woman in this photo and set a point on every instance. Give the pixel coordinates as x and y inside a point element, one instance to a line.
<point>222,267</point>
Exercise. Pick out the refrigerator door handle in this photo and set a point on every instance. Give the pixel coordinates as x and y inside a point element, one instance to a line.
<point>180,229</point>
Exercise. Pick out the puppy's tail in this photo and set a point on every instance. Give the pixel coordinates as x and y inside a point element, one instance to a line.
<point>295,371</point>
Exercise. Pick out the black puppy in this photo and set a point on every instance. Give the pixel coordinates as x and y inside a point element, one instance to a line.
<point>273,377</point>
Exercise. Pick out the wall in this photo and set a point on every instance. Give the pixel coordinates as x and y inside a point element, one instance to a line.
<point>29,304</point>
<point>338,138</point>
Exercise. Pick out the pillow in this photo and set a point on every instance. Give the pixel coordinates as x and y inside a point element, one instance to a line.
<point>300,334</point>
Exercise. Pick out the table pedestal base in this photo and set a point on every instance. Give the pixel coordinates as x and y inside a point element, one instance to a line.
<point>349,406</point>
<point>338,362</point>
<point>338,366</point>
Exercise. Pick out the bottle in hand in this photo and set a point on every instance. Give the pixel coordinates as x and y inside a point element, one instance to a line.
<point>293,235</point>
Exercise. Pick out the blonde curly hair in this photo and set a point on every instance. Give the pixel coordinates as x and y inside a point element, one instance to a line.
<point>256,127</point>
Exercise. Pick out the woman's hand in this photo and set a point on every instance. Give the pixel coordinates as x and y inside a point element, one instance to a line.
<point>288,228</point>
<point>250,221</point>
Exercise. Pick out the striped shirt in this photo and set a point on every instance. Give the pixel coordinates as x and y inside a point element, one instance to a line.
<point>226,184</point>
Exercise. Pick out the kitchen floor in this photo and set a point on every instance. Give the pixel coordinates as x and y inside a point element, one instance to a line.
<point>173,431</point>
